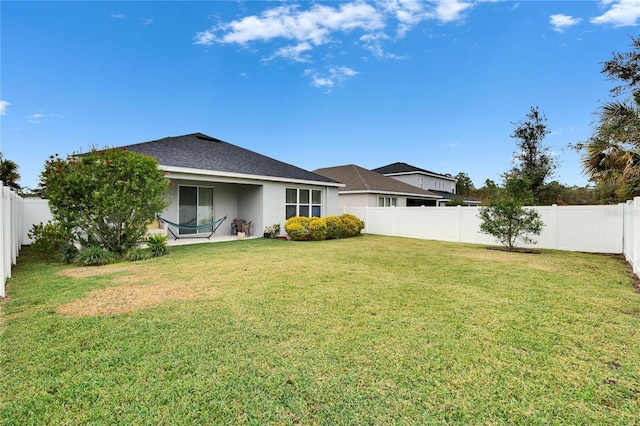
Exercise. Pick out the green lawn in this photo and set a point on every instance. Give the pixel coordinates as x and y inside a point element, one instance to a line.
<point>365,331</point>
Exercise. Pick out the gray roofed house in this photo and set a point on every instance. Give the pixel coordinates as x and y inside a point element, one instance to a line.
<point>404,168</point>
<point>202,152</point>
<point>367,188</point>
<point>440,184</point>
<point>212,178</point>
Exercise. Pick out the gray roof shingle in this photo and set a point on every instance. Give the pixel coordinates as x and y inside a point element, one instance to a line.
<point>199,151</point>
<point>396,168</point>
<point>357,178</point>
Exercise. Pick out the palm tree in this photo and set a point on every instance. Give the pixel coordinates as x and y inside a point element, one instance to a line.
<point>612,153</point>
<point>9,173</point>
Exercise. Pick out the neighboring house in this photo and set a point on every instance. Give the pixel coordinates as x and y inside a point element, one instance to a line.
<point>442,185</point>
<point>366,188</point>
<point>212,179</point>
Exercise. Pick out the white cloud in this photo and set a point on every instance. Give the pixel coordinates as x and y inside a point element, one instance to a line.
<point>116,16</point>
<point>3,107</point>
<point>39,118</point>
<point>561,22</point>
<point>319,24</point>
<point>35,118</point>
<point>313,26</point>
<point>333,77</point>
<point>294,53</point>
<point>621,13</point>
<point>147,21</point>
<point>451,10</point>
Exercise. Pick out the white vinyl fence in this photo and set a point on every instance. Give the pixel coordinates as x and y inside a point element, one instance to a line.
<point>631,234</point>
<point>10,232</point>
<point>595,229</point>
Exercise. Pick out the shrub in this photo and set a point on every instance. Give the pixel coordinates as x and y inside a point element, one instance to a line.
<point>138,253</point>
<point>297,228</point>
<point>317,229</point>
<point>303,228</point>
<point>69,253</point>
<point>105,198</point>
<point>335,227</point>
<point>353,224</point>
<point>157,244</point>
<point>49,241</point>
<point>96,256</point>
<point>295,231</point>
<point>508,221</point>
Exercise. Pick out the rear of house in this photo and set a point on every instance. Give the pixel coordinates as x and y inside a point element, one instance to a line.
<point>211,179</point>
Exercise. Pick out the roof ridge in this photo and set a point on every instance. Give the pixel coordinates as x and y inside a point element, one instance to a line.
<point>366,185</point>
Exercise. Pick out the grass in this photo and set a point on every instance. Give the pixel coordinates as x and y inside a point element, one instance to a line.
<point>369,330</point>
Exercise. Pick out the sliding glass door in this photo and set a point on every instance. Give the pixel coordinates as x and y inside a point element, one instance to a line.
<point>195,205</point>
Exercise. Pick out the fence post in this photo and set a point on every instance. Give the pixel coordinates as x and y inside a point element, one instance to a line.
<point>635,234</point>
<point>6,240</point>
<point>3,277</point>
<point>459,212</point>
<point>554,221</point>
<point>15,222</point>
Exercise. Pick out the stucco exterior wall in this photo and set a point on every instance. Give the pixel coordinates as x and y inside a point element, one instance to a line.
<point>427,182</point>
<point>371,200</point>
<point>262,202</point>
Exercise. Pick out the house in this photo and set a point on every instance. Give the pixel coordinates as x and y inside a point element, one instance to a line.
<point>212,179</point>
<point>367,188</point>
<point>442,185</point>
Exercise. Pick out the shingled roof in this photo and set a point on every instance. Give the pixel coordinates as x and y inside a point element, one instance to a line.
<point>359,179</point>
<point>202,152</point>
<point>403,168</point>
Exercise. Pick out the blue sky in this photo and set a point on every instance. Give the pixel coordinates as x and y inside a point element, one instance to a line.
<point>436,84</point>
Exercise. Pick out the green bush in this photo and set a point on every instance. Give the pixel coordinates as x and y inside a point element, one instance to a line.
<point>157,244</point>
<point>49,241</point>
<point>509,222</point>
<point>138,253</point>
<point>69,253</point>
<point>317,229</point>
<point>96,256</point>
<point>352,223</point>
<point>105,198</point>
<point>335,227</point>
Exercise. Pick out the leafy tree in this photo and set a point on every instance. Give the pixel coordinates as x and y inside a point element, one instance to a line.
<point>464,184</point>
<point>612,154</point>
<point>607,193</point>
<point>507,219</point>
<point>534,161</point>
<point>105,198</point>
<point>488,192</point>
<point>9,173</point>
<point>624,67</point>
<point>551,193</point>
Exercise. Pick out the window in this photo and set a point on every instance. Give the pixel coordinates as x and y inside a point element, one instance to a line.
<point>387,202</point>
<point>303,202</point>
<point>195,207</point>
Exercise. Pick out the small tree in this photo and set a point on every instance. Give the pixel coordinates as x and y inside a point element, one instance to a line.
<point>534,161</point>
<point>9,173</point>
<point>507,219</point>
<point>105,198</point>
<point>464,184</point>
